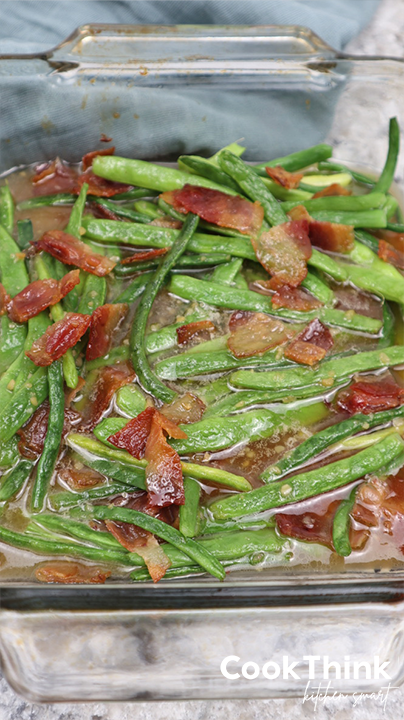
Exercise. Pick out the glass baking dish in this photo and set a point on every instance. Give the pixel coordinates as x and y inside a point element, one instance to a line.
<point>159,92</point>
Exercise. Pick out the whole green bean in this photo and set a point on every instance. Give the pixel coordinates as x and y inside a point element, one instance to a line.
<point>377,282</point>
<point>311,483</point>
<point>79,530</point>
<point>189,511</point>
<point>15,278</point>
<point>322,440</point>
<point>13,481</point>
<point>76,215</point>
<point>138,346</point>
<point>327,264</point>
<point>125,212</point>
<point>340,526</point>
<point>94,294</point>
<point>337,203</point>
<point>64,500</point>
<point>155,177</point>
<point>6,209</point>
<point>361,218</point>
<point>253,186</point>
<point>25,233</point>
<point>234,148</point>
<point>297,160</point>
<point>206,168</point>
<point>237,401</point>
<point>169,210</point>
<point>358,177</point>
<point>200,363</point>
<point>130,476</point>
<point>227,273</point>
<point>387,175</point>
<point>23,404</point>
<point>135,289</point>
<point>47,201</point>
<point>318,288</point>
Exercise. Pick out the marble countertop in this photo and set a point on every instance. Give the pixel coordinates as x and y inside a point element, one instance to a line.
<point>384,36</point>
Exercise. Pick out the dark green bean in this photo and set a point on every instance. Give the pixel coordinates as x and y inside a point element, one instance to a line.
<point>387,175</point>
<point>340,526</point>
<point>124,474</point>
<point>135,289</point>
<point>205,168</point>
<point>13,481</point>
<point>166,338</point>
<point>63,500</point>
<point>189,511</point>
<point>297,160</point>
<point>395,227</point>
<point>25,234</point>
<point>123,211</point>
<point>135,194</point>
<point>185,261</point>
<point>367,239</point>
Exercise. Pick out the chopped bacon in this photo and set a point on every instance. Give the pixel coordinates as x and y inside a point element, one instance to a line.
<point>283,251</point>
<point>109,380</point>
<point>164,479</point>
<point>54,177</point>
<point>142,542</point>
<point>283,177</point>
<point>78,476</point>
<point>313,527</point>
<point>167,222</point>
<point>74,391</point>
<point>39,295</point>
<point>4,300</point>
<point>294,299</point>
<point>371,396</point>
<point>72,251</point>
<point>380,502</point>
<point>391,255</point>
<point>185,333</point>
<point>58,338</point>
<point>217,207</point>
<point>299,212</point>
<point>256,335</point>
<point>311,345</point>
<point>88,158</point>
<point>332,237</point>
<point>67,573</point>
<point>100,211</point>
<point>99,186</point>
<point>144,255</point>
<point>32,434</point>
<point>393,238</point>
<point>334,189</point>
<point>105,320</point>
<point>133,437</point>
<point>185,409</point>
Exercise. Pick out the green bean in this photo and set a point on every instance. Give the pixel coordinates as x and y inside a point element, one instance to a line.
<point>315,180</point>
<point>109,426</point>
<point>340,526</point>
<point>135,289</point>
<point>124,212</point>
<point>151,236</point>
<point>25,234</point>
<point>378,278</point>
<point>237,401</point>
<point>185,261</point>
<point>313,446</point>
<point>138,346</point>
<point>337,203</point>
<point>227,273</point>
<point>130,400</point>
<point>47,201</point>
<point>297,160</point>
<point>395,227</point>
<point>6,209</point>
<point>64,500</point>
<point>79,530</point>
<point>143,575</point>
<point>234,148</point>
<point>15,278</point>
<point>318,288</point>
<point>12,482</point>
<point>281,193</point>
<point>155,177</point>
<point>135,194</point>
<point>367,239</point>
<point>328,265</point>
<point>47,460</point>
<point>390,206</point>
<point>201,363</point>
<point>214,390</point>
<point>357,442</point>
<point>361,218</point>
<point>94,294</point>
<point>129,475</point>
<point>166,338</point>
<point>76,215</point>
<point>229,297</point>
<point>148,209</point>
<point>206,168</point>
<point>387,175</point>
<point>189,511</point>
<point>210,474</point>
<point>253,186</point>
<point>311,483</point>
<point>358,177</point>
<point>327,375</point>
<point>387,334</point>
<point>208,526</point>
<point>9,453</point>
<point>196,551</point>
<point>23,404</point>
<point>169,210</point>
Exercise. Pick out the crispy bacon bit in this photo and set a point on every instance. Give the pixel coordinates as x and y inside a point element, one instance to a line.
<point>58,338</point>
<point>299,213</point>
<point>186,332</point>
<point>144,255</point>
<point>311,345</point>
<point>394,238</point>
<point>332,236</point>
<point>99,186</point>
<point>88,158</point>
<point>72,251</point>
<point>186,409</point>
<point>283,177</point>
<point>216,207</point>
<point>313,527</point>
<point>294,299</point>
<point>109,380</point>
<point>32,434</point>
<point>334,189</point>
<point>256,335</point>
<point>68,573</point>
<point>371,396</point>
<point>105,320</point>
<point>78,476</point>
<point>164,479</point>
<point>133,437</point>
<point>283,251</point>
<point>144,544</point>
<point>391,255</point>
<point>54,177</point>
<point>167,222</point>
<point>39,295</point>
<point>4,300</point>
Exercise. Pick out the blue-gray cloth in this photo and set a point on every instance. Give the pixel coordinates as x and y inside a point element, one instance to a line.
<point>45,113</point>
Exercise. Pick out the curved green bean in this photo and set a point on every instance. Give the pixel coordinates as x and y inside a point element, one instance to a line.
<point>340,526</point>
<point>12,482</point>
<point>387,175</point>
<point>297,160</point>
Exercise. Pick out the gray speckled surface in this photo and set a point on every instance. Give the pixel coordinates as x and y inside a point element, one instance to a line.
<point>384,36</point>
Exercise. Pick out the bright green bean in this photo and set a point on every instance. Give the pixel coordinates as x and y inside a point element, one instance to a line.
<point>130,400</point>
<point>297,160</point>
<point>189,511</point>
<point>340,526</point>
<point>23,404</point>
<point>361,218</point>
<point>207,169</point>
<point>6,209</point>
<point>387,175</point>
<point>12,482</point>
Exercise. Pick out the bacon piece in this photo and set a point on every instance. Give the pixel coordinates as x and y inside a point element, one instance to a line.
<point>133,437</point>
<point>283,177</point>
<point>371,396</point>
<point>69,573</point>
<point>216,207</point>
<point>164,479</point>
<point>39,295</point>
<point>4,300</point>
<point>72,251</point>
<point>380,502</point>
<point>144,255</point>
<point>78,476</point>
<point>311,345</point>
<point>32,434</point>
<point>294,299</point>
<point>334,189</point>
<point>185,333</point>
<point>88,158</point>
<point>100,211</point>
<point>109,380</point>
<point>142,542</point>
<point>54,177</point>
<point>313,527</point>
<point>99,186</point>
<point>332,236</point>
<point>186,409</point>
<point>393,238</point>
<point>283,251</point>
<point>105,320</point>
<point>58,338</point>
<point>257,334</point>
<point>390,254</point>
<point>299,212</point>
